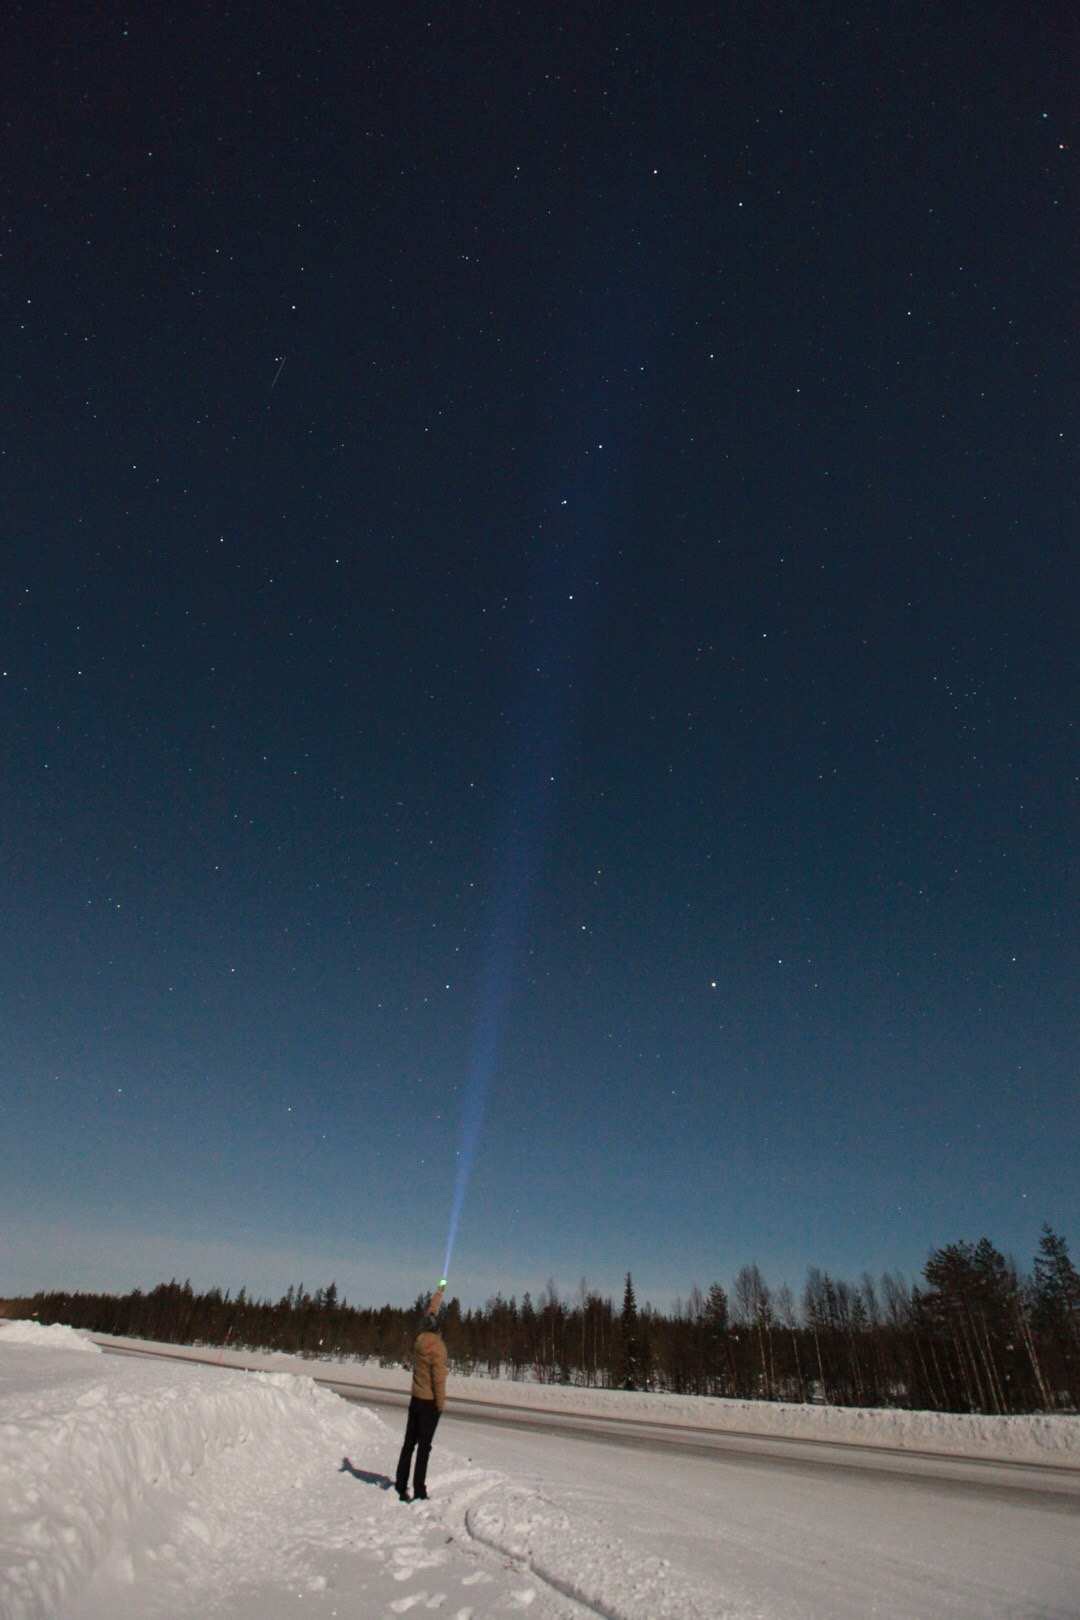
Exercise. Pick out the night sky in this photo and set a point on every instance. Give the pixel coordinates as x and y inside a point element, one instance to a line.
<point>540,608</point>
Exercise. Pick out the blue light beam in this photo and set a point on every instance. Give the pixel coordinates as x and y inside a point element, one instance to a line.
<point>570,547</point>
<point>515,877</point>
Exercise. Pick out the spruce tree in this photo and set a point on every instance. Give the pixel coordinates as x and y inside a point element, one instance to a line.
<point>630,1357</point>
<point>715,1340</point>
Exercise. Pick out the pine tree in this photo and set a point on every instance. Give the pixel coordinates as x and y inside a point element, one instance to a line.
<point>1056,1311</point>
<point>974,1300</point>
<point>1057,1284</point>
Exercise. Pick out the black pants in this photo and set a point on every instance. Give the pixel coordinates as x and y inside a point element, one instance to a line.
<point>419,1433</point>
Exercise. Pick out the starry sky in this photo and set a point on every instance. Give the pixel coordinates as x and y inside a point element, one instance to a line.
<point>539,643</point>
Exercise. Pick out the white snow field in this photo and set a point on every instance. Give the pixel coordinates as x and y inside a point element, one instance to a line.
<point>151,1489</point>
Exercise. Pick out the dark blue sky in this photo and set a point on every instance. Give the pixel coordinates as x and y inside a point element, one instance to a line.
<point>540,586</point>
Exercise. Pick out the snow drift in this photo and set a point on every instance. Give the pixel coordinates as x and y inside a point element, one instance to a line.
<point>82,1452</point>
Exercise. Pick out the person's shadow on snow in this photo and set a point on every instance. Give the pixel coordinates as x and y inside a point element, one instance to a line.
<point>381,1480</point>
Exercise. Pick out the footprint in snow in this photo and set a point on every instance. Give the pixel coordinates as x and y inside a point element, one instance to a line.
<point>412,1559</point>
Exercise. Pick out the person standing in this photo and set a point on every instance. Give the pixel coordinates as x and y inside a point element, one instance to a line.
<point>426,1402</point>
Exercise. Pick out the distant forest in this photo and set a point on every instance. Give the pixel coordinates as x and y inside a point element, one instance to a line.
<point>974,1336</point>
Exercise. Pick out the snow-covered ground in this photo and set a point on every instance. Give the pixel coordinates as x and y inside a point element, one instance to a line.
<point>157,1490</point>
<point>164,1491</point>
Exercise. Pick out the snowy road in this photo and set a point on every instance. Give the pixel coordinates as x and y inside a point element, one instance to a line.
<point>795,1530</point>
<point>1012,1478</point>
<point>794,1538</point>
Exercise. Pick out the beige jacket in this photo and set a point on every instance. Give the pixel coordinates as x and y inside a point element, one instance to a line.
<point>429,1369</point>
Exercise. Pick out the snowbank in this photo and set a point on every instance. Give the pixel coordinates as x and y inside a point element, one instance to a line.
<point>81,1453</point>
<point>1037,1438</point>
<point>55,1337</point>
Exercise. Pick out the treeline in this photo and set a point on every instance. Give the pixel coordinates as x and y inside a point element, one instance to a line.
<point>974,1336</point>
